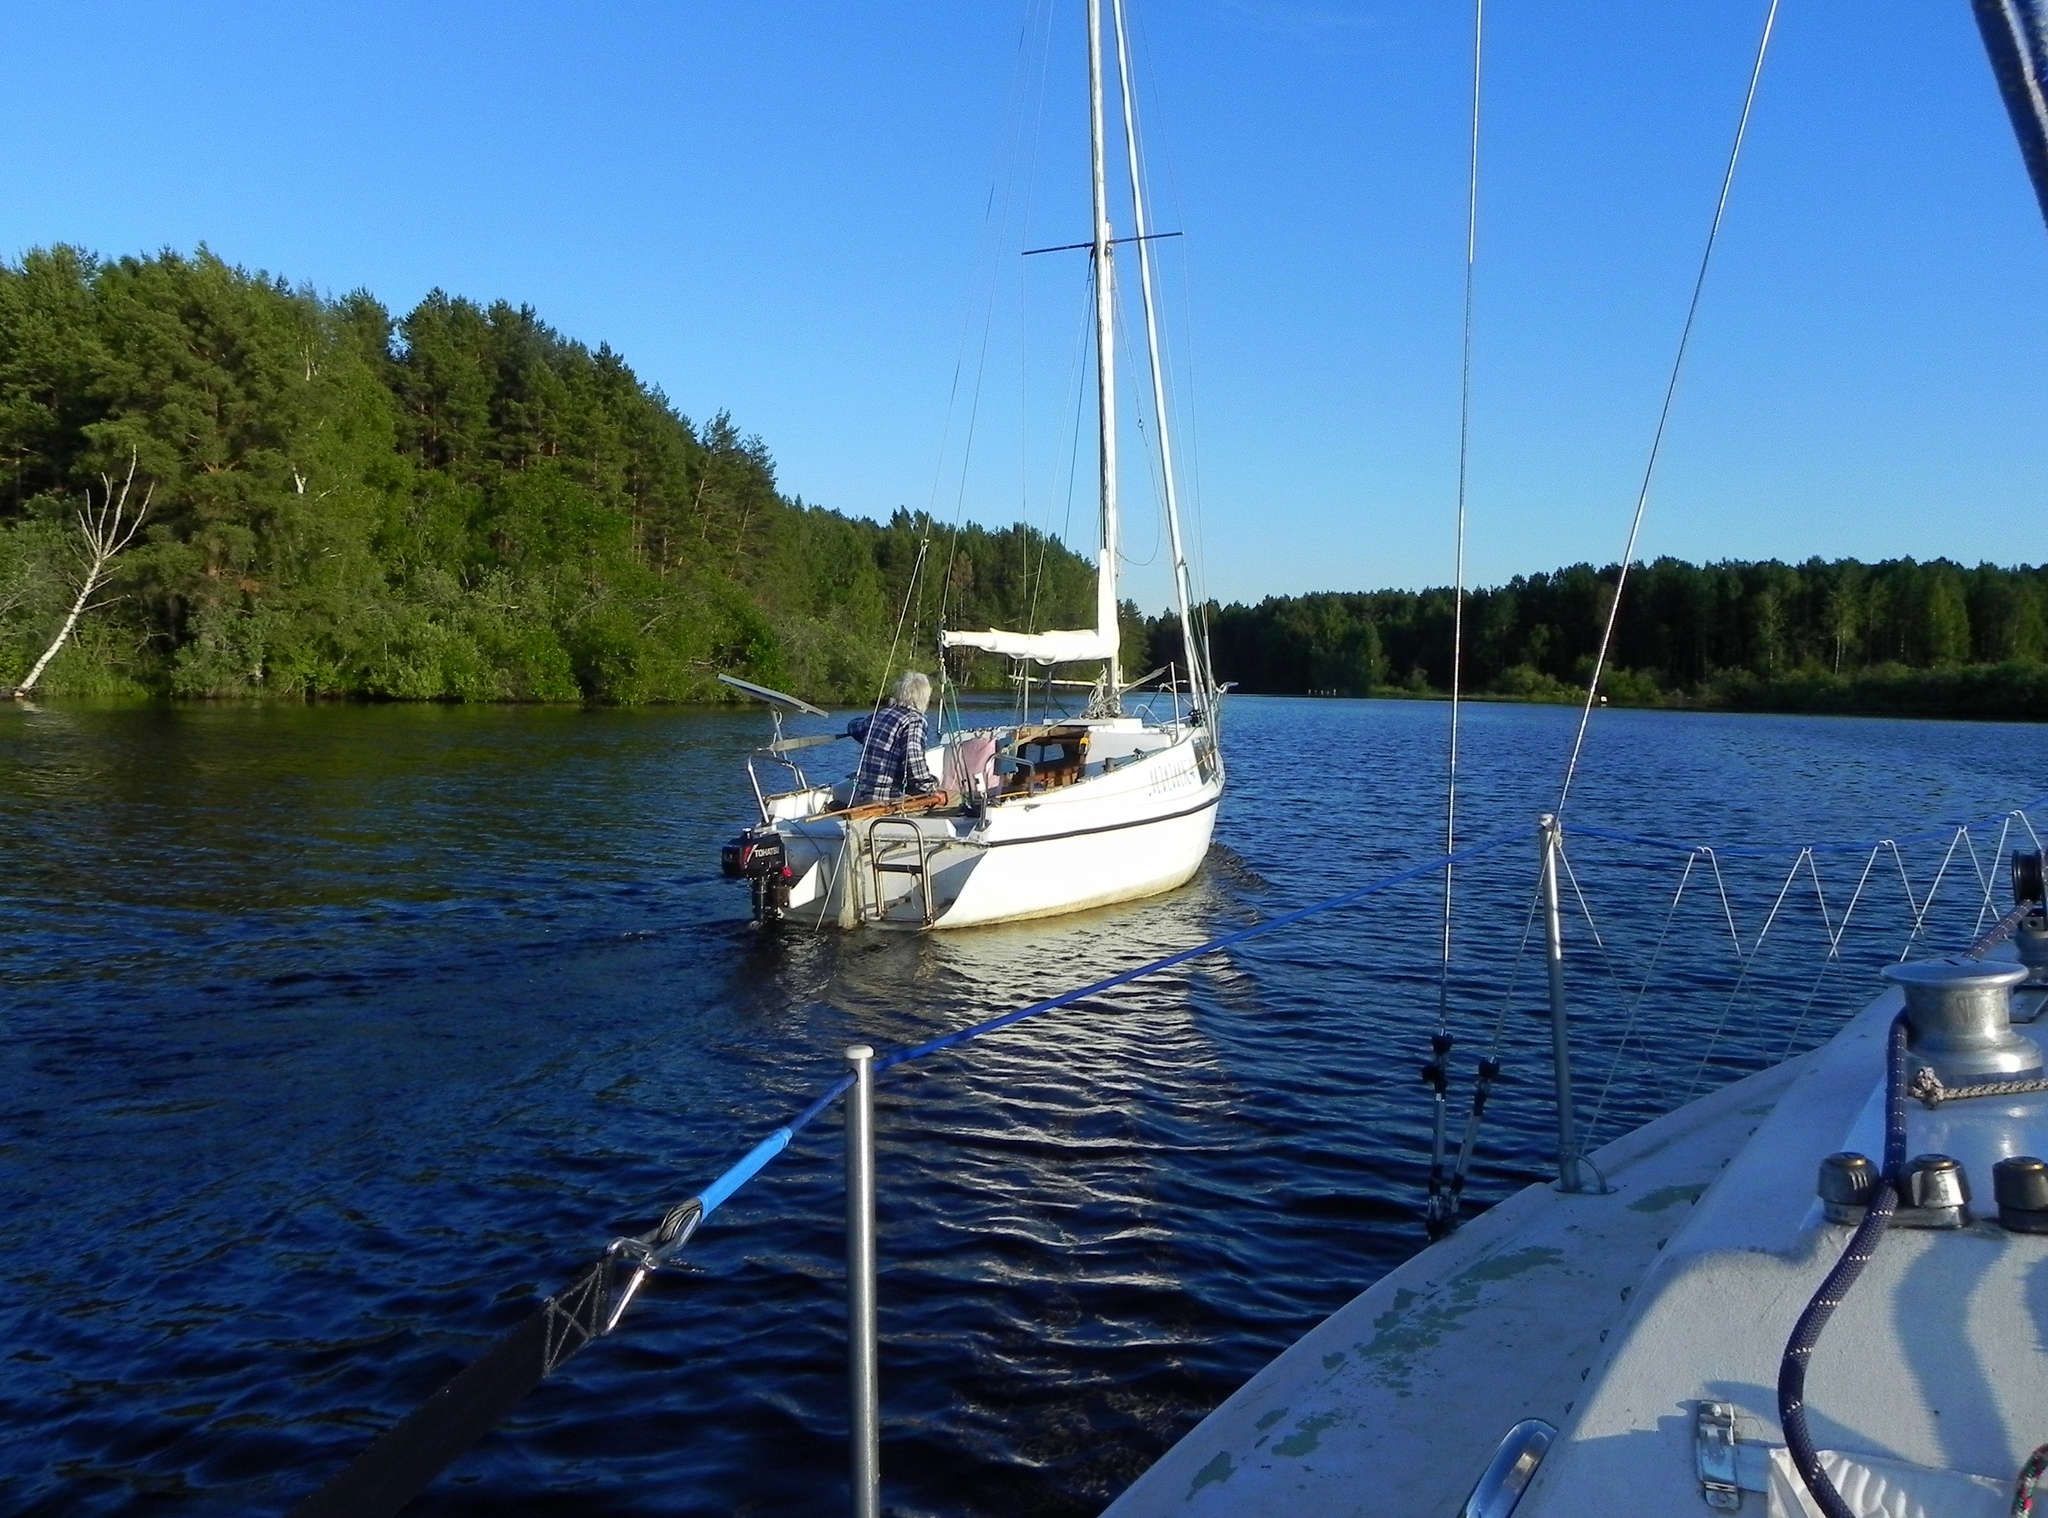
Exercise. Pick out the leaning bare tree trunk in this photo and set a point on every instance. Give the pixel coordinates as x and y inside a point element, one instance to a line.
<point>106,530</point>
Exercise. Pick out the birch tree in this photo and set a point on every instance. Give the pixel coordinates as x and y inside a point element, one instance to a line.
<point>104,530</point>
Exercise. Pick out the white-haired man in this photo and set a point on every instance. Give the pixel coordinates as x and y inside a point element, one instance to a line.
<point>892,763</point>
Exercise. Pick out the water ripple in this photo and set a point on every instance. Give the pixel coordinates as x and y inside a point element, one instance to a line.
<point>336,1035</point>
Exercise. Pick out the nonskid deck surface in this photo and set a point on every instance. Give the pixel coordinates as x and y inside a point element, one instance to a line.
<point>1618,1317</point>
<point>1395,1403</point>
<point>1930,1378</point>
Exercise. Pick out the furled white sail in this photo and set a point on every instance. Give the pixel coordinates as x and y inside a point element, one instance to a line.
<point>1040,648</point>
<point>1074,646</point>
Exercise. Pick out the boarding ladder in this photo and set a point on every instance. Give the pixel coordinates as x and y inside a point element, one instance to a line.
<point>886,856</point>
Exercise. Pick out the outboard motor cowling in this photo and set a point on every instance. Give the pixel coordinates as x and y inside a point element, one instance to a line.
<point>757,856</point>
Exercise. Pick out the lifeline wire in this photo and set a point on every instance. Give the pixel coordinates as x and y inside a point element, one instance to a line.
<point>1861,846</point>
<point>1008,180</point>
<point>1200,951</point>
<point>1692,311</point>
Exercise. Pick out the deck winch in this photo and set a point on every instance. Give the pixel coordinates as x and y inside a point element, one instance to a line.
<point>1959,1011</point>
<point>1953,1040</point>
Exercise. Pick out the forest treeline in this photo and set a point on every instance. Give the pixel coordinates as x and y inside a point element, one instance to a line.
<point>463,504</point>
<point>1897,636</point>
<point>459,503</point>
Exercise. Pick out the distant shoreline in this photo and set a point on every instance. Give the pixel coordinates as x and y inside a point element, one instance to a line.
<point>2011,692</point>
<point>2016,691</point>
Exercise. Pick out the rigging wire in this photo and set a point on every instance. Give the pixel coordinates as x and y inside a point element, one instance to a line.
<point>1692,310</point>
<point>1441,1208</point>
<point>1443,999</point>
<point>1078,384</point>
<point>1025,590</point>
<point>1181,373</point>
<point>1164,481</point>
<point>924,544</point>
<point>1001,194</point>
<point>1151,455</point>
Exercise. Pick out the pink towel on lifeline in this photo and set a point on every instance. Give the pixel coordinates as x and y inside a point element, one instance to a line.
<point>970,767</point>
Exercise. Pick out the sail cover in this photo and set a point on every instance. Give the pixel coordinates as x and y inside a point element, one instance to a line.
<point>1078,646</point>
<point>2016,36</point>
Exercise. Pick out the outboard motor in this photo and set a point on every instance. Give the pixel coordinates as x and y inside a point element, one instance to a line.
<point>758,858</point>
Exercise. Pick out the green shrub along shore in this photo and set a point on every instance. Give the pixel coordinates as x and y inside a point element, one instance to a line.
<point>462,504</point>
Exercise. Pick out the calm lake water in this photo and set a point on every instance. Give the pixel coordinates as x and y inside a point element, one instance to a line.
<point>335,1036</point>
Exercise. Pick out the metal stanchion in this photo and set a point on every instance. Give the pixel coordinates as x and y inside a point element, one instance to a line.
<point>1560,1035</point>
<point>863,1381</point>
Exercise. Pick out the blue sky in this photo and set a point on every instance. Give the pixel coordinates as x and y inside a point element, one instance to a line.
<point>784,209</point>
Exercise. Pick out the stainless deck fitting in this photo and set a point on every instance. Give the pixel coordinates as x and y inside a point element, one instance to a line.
<point>1934,1193</point>
<point>1713,1444</point>
<point>1510,1471</point>
<point>1960,1014</point>
<point>2020,1185</point>
<point>1847,1182</point>
<point>2030,943</point>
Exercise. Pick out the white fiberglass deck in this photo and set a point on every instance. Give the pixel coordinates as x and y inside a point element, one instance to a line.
<point>1394,1404</point>
<point>1614,1317</point>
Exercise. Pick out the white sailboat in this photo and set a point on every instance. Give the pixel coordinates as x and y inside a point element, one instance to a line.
<point>1032,818</point>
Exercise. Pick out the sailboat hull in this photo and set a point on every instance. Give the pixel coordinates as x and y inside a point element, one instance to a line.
<point>1088,863</point>
<point>1135,831</point>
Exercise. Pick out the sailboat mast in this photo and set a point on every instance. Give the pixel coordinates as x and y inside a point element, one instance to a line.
<point>2016,37</point>
<point>1105,360</point>
<point>1197,661</point>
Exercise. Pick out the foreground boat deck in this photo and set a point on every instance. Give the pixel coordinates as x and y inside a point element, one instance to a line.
<point>1395,1403</point>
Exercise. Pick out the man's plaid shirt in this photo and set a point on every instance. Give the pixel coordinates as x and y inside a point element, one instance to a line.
<point>891,756</point>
